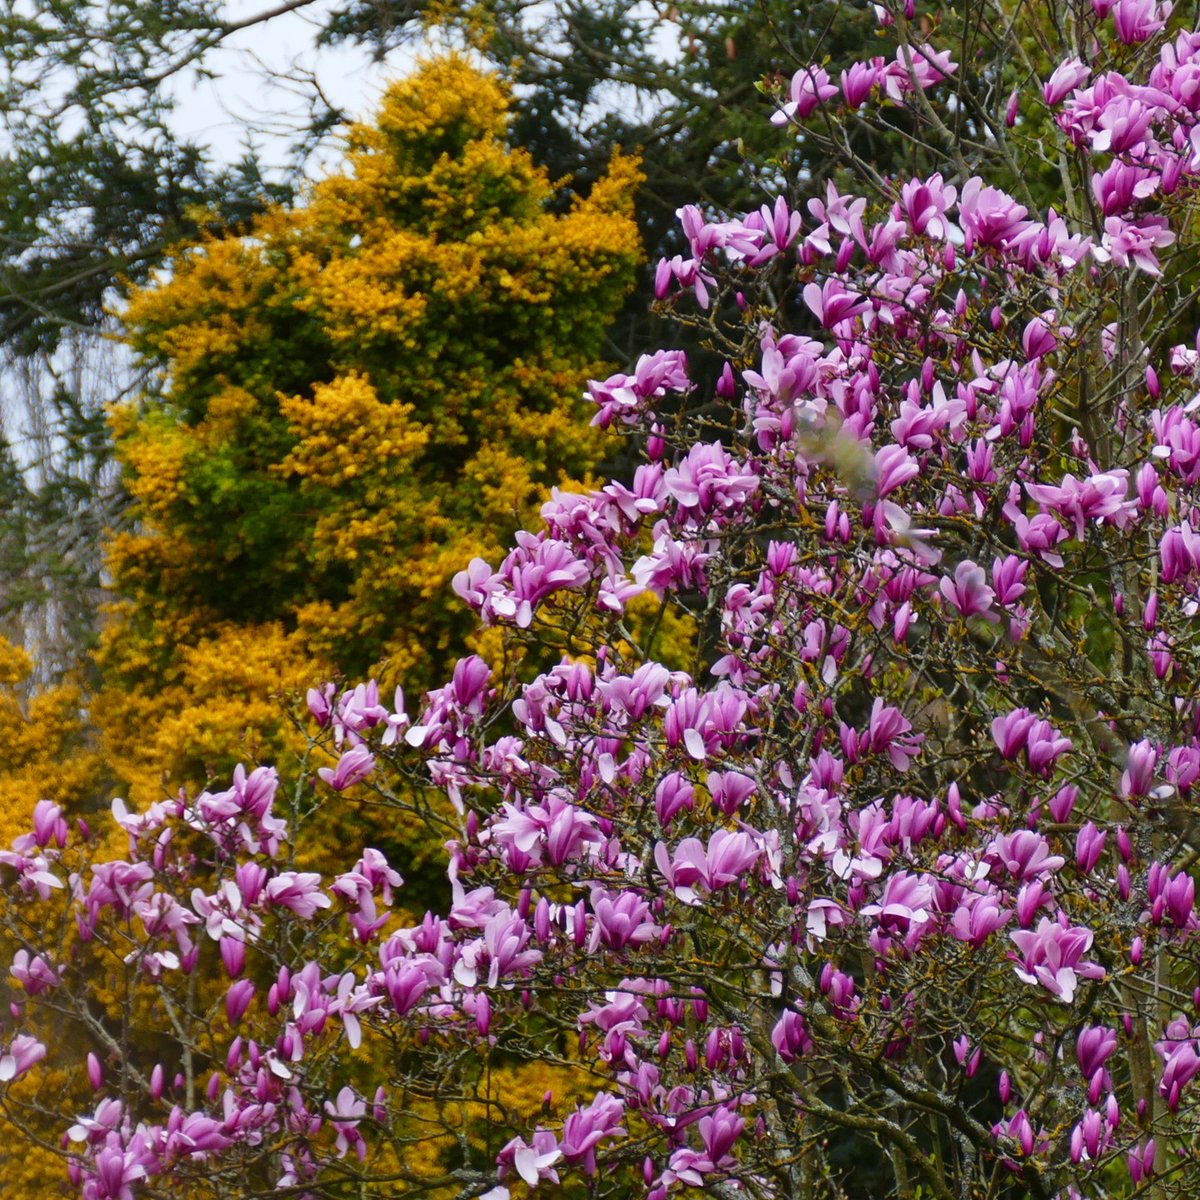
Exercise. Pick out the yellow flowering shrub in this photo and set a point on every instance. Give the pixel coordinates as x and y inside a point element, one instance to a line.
<point>47,751</point>
<point>356,395</point>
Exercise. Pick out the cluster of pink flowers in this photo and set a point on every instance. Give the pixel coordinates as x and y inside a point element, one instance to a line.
<point>916,816</point>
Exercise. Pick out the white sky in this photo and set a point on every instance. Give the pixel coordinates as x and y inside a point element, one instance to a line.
<point>252,88</point>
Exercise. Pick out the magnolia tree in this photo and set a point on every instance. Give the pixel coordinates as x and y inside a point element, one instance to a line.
<point>900,873</point>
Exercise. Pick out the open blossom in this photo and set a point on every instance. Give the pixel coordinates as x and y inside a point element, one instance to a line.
<point>533,1160</point>
<point>1067,76</point>
<point>708,480</point>
<point>626,396</point>
<point>1100,497</point>
<point>23,1052</point>
<point>833,302</point>
<point>590,1125</point>
<point>32,972</point>
<point>1133,243</point>
<point>725,860</point>
<point>926,205</point>
<point>922,67</point>
<point>890,732</point>
<point>904,906</point>
<point>299,891</point>
<point>1052,955</point>
<point>554,832</point>
<point>968,593</point>
<point>345,1113</point>
<point>503,950</point>
<point>809,87</point>
<point>988,216</point>
<point>719,1130</point>
<point>353,767</point>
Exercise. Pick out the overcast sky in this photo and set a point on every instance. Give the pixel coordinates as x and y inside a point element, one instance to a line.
<point>260,72</point>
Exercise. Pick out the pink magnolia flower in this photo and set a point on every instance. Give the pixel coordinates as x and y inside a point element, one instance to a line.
<point>1138,776</point>
<point>728,856</point>
<point>350,999</point>
<point>588,1126</point>
<point>1052,955</point>
<point>238,999</point>
<point>1180,1060</point>
<point>621,920</point>
<point>1093,1047</point>
<point>858,81</point>
<point>502,952</point>
<point>1138,20</point>
<point>23,1052</point>
<point>968,593</point>
<point>989,217</point>
<point>1040,535</point>
<point>33,972</point>
<point>673,794</point>
<point>1121,185</point>
<point>889,731</point>
<point>358,710</point>
<point>1025,855</point>
<point>729,790</point>
<point>1089,845</point>
<point>299,891</point>
<point>790,1036</point>
<point>406,981</point>
<point>708,481</point>
<point>1066,78</point>
<point>977,918</point>
<point>922,67</point>
<point>809,87</point>
<point>1045,745</point>
<point>1100,497</point>
<point>905,905</point>
<point>688,272</point>
<point>893,467</point>
<point>925,205</point>
<point>353,767</point>
<point>49,824</point>
<point>344,1116</point>
<point>780,226</point>
<point>554,832</point>
<point>114,1170</point>
<point>833,303</point>
<point>533,1161</point>
<point>1134,242</point>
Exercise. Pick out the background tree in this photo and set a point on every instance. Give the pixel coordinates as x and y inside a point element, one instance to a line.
<point>86,113</point>
<point>370,387</point>
<point>95,183</point>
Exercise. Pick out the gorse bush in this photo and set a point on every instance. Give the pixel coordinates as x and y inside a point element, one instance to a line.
<point>354,397</point>
<point>894,893</point>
